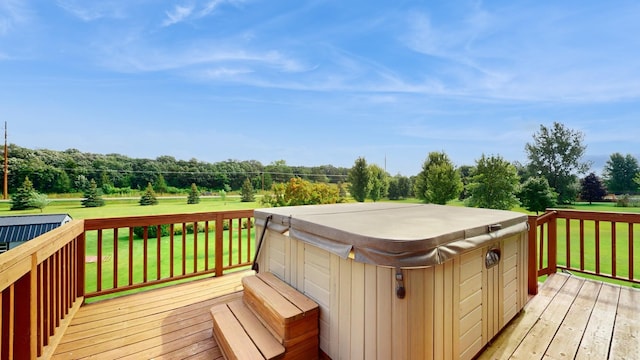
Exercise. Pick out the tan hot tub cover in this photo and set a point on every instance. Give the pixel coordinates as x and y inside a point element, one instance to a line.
<point>396,235</point>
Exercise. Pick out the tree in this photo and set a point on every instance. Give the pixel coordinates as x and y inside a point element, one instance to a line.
<point>92,196</point>
<point>438,182</point>
<point>619,172</point>
<point>378,182</point>
<point>494,184</point>
<point>399,187</point>
<point>149,196</point>
<point>359,179</point>
<point>21,200</point>
<point>556,155</point>
<point>536,194</point>
<point>194,195</point>
<point>247,191</point>
<point>592,189</point>
<point>39,201</point>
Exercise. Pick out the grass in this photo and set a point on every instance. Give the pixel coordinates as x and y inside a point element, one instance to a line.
<point>130,207</point>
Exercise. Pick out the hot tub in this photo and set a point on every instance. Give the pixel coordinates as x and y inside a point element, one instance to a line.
<point>400,281</point>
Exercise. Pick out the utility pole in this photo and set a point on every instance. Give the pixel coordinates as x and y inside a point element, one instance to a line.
<point>5,195</point>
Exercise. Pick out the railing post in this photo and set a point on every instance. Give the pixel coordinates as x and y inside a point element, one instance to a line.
<point>218,243</point>
<point>552,248</point>
<point>532,268</point>
<point>80,265</point>
<point>22,325</point>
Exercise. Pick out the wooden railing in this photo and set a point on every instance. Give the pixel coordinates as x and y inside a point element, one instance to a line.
<point>596,243</point>
<point>46,280</point>
<point>132,252</point>
<point>42,287</point>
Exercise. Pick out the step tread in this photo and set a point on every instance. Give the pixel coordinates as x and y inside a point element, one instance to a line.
<point>262,338</point>
<point>235,336</point>
<point>298,299</point>
<point>271,299</point>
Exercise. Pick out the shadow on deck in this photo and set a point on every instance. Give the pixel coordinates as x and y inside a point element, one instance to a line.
<point>570,318</point>
<point>168,323</point>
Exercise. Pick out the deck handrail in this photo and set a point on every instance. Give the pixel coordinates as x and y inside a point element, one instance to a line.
<point>45,281</point>
<point>586,242</point>
<point>42,287</point>
<point>186,243</point>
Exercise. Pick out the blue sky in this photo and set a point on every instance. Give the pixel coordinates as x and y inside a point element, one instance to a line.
<point>319,82</point>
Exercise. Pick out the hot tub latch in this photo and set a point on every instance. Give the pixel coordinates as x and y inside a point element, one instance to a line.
<point>400,291</point>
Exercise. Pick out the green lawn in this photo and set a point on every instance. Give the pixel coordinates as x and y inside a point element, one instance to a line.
<point>130,207</point>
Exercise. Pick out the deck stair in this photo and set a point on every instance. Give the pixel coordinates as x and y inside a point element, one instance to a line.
<point>272,321</point>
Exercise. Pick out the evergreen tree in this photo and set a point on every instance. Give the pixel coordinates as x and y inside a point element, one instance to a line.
<point>536,194</point>
<point>359,179</point>
<point>194,195</point>
<point>493,184</point>
<point>247,191</point>
<point>438,182</point>
<point>21,200</point>
<point>92,196</point>
<point>592,188</point>
<point>149,196</point>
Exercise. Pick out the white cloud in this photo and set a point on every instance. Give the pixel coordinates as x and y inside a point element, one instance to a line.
<point>88,11</point>
<point>12,14</point>
<point>178,14</point>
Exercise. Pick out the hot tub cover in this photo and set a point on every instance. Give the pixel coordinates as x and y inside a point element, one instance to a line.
<point>396,235</point>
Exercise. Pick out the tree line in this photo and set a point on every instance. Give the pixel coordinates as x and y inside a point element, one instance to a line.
<point>71,170</point>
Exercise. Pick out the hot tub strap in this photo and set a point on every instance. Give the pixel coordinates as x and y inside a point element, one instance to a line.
<point>255,267</point>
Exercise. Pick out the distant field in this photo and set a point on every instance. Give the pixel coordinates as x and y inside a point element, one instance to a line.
<point>130,207</point>
<point>178,205</point>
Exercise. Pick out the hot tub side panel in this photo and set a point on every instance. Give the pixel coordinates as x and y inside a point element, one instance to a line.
<point>451,310</point>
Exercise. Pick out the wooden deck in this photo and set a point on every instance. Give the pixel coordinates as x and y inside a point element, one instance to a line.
<point>570,318</point>
<point>168,323</point>
<point>573,318</point>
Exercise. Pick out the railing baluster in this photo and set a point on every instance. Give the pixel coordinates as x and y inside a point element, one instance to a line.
<point>171,250</point>
<point>239,240</point>
<point>130,256</point>
<point>597,230</point>
<point>581,245</point>
<point>631,253</point>
<point>206,245</point>
<point>115,258</point>
<point>184,248</point>
<point>613,249</point>
<point>158,252</point>
<point>99,260</point>
<point>195,247</point>
<point>230,241</point>
<point>568,241</point>
<point>145,253</point>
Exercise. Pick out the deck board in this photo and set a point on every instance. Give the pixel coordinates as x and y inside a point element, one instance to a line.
<point>572,318</point>
<point>168,323</point>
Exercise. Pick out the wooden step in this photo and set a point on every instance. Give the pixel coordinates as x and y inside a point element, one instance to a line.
<point>287,313</point>
<point>241,335</point>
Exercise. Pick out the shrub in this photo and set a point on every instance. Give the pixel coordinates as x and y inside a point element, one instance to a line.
<point>152,231</point>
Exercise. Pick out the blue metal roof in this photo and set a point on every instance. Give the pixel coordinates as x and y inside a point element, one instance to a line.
<point>26,227</point>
